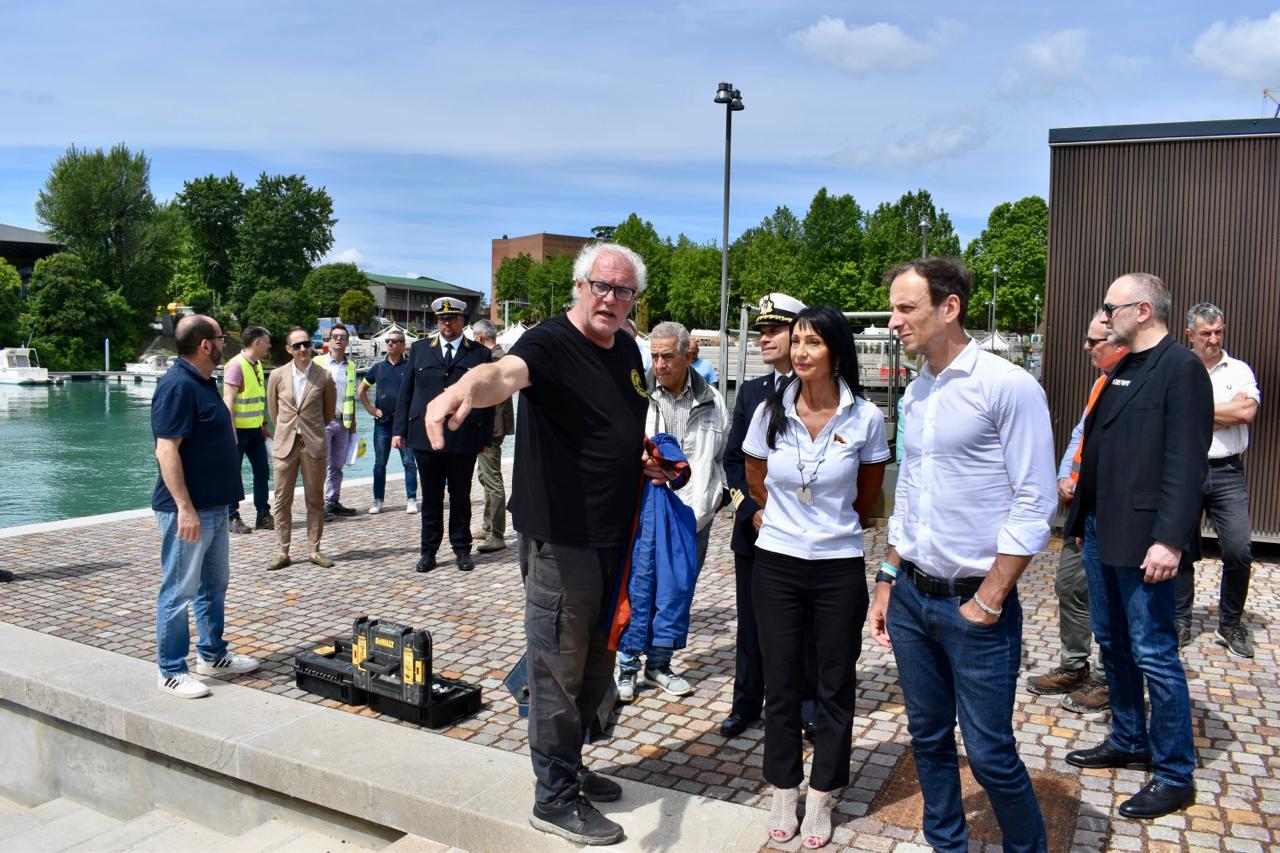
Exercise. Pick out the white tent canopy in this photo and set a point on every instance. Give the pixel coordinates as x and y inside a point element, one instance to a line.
<point>508,336</point>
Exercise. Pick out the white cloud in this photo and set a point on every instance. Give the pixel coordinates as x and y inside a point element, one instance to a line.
<point>1044,64</point>
<point>860,50</point>
<point>1248,51</point>
<point>952,138</point>
<point>346,256</point>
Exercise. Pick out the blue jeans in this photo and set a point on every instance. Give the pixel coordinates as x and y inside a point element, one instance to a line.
<point>381,453</point>
<point>195,575</point>
<point>1133,622</point>
<point>661,658</point>
<point>948,666</point>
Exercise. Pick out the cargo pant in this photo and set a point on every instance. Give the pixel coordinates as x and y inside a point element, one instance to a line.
<point>570,665</point>
<point>489,466</point>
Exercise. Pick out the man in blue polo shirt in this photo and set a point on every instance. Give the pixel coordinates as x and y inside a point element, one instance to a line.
<point>199,477</point>
<point>385,378</point>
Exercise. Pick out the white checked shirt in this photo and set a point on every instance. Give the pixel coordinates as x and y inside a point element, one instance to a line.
<point>1230,376</point>
<point>977,477</point>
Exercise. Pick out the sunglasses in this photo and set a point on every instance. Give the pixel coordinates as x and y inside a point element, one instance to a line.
<point>1110,310</point>
<point>337,338</point>
<point>394,341</point>
<point>1093,342</point>
<point>300,345</point>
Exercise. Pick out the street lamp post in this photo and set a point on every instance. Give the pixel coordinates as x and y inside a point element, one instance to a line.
<point>995,279</point>
<point>732,100</point>
<point>925,227</point>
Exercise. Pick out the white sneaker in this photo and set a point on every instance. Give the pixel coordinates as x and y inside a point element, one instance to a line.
<point>671,684</point>
<point>184,685</point>
<point>411,507</point>
<point>229,665</point>
<point>626,686</point>
<point>375,508</point>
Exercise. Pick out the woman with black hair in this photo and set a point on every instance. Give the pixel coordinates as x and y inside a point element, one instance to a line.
<point>816,453</point>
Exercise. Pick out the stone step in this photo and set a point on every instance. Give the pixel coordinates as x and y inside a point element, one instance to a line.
<point>157,831</point>
<point>281,836</point>
<point>60,824</point>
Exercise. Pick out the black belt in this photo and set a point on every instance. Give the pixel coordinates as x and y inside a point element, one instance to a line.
<point>1226,460</point>
<point>957,588</point>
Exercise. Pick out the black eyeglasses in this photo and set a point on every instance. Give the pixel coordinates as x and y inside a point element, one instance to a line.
<point>395,340</point>
<point>222,338</point>
<point>300,345</point>
<point>1093,342</point>
<point>602,288</point>
<point>1110,310</point>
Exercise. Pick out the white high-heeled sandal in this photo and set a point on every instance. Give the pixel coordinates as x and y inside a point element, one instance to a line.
<point>783,822</point>
<point>816,829</point>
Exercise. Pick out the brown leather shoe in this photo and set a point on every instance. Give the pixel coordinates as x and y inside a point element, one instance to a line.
<point>1058,680</point>
<point>1093,697</point>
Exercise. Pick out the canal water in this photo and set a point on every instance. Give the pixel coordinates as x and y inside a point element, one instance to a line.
<point>85,448</point>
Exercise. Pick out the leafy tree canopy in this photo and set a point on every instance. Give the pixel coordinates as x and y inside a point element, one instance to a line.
<point>213,209</point>
<point>277,311</point>
<point>12,330</point>
<point>640,235</point>
<point>1016,240</point>
<point>72,312</point>
<point>287,228</point>
<point>357,306</point>
<point>325,285</point>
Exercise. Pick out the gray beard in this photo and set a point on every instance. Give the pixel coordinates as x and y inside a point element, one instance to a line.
<point>1117,338</point>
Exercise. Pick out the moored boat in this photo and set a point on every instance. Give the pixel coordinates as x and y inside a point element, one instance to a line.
<point>21,366</point>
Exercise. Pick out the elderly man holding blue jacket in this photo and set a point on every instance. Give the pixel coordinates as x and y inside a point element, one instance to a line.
<point>683,404</point>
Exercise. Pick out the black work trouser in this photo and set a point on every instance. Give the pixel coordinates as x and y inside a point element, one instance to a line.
<point>828,598</point>
<point>1225,499</point>
<point>438,471</point>
<point>570,667</point>
<point>748,672</point>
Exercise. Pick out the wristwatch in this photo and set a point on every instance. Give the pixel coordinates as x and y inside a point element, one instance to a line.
<point>885,577</point>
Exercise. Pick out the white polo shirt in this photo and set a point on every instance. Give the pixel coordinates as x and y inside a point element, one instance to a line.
<point>1230,376</point>
<point>827,526</point>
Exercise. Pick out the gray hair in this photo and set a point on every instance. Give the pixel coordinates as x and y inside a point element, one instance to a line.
<point>670,329</point>
<point>1153,290</point>
<point>586,260</point>
<point>484,329</point>
<point>1206,311</point>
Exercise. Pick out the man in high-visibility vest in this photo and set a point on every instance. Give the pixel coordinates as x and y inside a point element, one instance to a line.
<point>244,392</point>
<point>342,428</point>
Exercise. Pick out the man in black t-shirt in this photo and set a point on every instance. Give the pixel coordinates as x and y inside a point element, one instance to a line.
<point>579,465</point>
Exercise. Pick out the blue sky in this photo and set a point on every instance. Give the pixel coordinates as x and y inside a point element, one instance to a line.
<point>437,127</point>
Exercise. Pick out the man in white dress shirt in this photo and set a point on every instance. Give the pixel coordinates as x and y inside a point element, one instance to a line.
<point>1236,399</point>
<point>975,494</point>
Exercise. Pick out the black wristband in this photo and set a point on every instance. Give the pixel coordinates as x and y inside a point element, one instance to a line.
<point>885,577</point>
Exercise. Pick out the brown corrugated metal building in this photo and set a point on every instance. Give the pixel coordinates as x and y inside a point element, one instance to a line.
<point>1196,203</point>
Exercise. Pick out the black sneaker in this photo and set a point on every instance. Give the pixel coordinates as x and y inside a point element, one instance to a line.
<point>1237,638</point>
<point>339,509</point>
<point>597,788</point>
<point>328,512</point>
<point>1184,634</point>
<point>575,820</point>
<point>264,522</point>
<point>238,526</point>
<point>5,575</point>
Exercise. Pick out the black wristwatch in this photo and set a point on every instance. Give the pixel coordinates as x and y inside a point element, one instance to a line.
<point>884,577</point>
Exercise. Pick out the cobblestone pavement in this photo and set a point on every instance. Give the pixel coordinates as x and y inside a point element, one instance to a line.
<point>97,585</point>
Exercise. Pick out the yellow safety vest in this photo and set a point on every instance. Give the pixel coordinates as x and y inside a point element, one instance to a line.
<point>250,405</point>
<point>348,396</point>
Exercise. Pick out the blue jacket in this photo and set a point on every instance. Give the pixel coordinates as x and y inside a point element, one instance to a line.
<point>664,564</point>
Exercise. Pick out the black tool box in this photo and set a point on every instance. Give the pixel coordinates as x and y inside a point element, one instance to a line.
<point>393,666</point>
<point>327,670</point>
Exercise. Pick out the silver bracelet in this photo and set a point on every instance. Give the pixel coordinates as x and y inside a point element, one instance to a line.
<point>982,605</point>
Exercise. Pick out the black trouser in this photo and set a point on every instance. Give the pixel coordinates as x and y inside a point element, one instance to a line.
<point>570,665</point>
<point>829,597</point>
<point>748,673</point>
<point>1225,499</point>
<point>439,470</point>
<point>253,444</point>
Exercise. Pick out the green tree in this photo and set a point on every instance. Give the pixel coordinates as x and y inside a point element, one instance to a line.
<point>277,311</point>
<point>767,259</point>
<point>545,285</point>
<point>287,228</point>
<point>1016,240</point>
<point>694,295</point>
<point>72,312</point>
<point>513,280</point>
<point>213,209</point>
<point>891,237</point>
<point>99,204</point>
<point>12,307</point>
<point>357,306</point>
<point>603,232</point>
<point>187,287</point>
<point>325,285</point>
<point>640,235</point>
<point>831,233</point>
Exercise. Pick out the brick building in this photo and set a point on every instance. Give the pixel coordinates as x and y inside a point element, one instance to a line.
<point>537,246</point>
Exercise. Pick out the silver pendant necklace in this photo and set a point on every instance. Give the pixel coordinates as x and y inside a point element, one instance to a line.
<point>805,492</point>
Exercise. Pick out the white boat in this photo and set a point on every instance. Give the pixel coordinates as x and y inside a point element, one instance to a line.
<point>21,366</point>
<point>151,368</point>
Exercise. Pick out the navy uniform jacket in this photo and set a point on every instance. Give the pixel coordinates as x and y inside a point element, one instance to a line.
<point>426,378</point>
<point>749,397</point>
<point>1153,454</point>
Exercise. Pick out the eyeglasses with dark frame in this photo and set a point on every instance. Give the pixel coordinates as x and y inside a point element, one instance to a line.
<point>222,338</point>
<point>1093,342</point>
<point>1110,310</point>
<point>300,345</point>
<point>395,340</point>
<point>602,288</point>
<point>337,337</point>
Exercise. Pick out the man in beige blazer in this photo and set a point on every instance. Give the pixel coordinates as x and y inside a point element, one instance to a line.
<point>301,399</point>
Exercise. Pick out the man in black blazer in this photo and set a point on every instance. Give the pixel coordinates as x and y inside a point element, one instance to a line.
<point>1137,507</point>
<point>435,363</point>
<point>777,312</point>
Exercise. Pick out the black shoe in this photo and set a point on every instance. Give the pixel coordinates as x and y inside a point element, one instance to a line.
<point>339,509</point>
<point>426,563</point>
<point>328,512</point>
<point>1237,639</point>
<point>735,724</point>
<point>1105,755</point>
<point>264,522</point>
<point>1184,634</point>
<point>597,788</point>
<point>464,562</point>
<point>5,575</point>
<point>575,820</point>
<point>809,730</point>
<point>238,526</point>
<point>1157,799</point>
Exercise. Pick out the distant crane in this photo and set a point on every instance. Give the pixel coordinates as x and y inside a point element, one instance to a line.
<point>1273,95</point>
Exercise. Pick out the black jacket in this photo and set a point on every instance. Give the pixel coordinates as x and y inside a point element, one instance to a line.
<point>1153,455</point>
<point>426,378</point>
<point>749,397</point>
